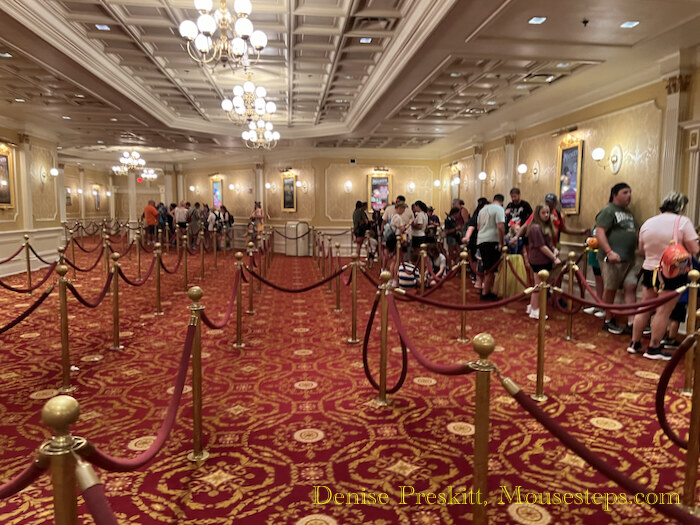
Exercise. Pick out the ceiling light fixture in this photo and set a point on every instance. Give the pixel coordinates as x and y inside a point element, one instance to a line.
<point>629,24</point>
<point>365,40</point>
<point>562,65</point>
<point>249,107</point>
<point>129,161</point>
<point>222,37</point>
<point>103,27</point>
<point>65,117</point>
<point>5,55</point>
<point>149,174</point>
<point>537,20</point>
<point>19,100</point>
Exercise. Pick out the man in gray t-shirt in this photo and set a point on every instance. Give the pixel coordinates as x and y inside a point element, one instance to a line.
<point>490,238</point>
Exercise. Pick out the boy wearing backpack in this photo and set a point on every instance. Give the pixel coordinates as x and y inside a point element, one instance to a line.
<point>667,242</point>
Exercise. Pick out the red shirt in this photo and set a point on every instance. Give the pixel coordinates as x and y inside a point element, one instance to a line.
<point>151,215</point>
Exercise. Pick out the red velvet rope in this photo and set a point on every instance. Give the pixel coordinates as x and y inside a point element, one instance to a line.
<point>19,250</point>
<point>131,245</point>
<point>37,255</point>
<point>448,370</point>
<point>98,505</point>
<point>69,263</point>
<point>28,311</point>
<point>138,282</point>
<point>192,252</point>
<point>686,345</point>
<point>22,480</point>
<point>100,298</point>
<point>229,309</point>
<point>672,511</point>
<point>99,245</point>
<point>575,305</point>
<point>294,290</point>
<point>49,271</point>
<point>466,307</point>
<point>179,260</point>
<point>104,461</point>
<point>449,275</point>
<point>365,346</point>
<point>370,278</point>
<point>147,249</point>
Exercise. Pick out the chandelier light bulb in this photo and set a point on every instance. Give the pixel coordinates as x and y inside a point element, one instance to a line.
<point>142,162</point>
<point>202,43</point>
<point>261,124</point>
<point>245,135</point>
<point>253,136</point>
<point>125,154</point>
<point>269,126</point>
<point>238,91</point>
<point>238,101</point>
<point>270,107</point>
<point>522,168</point>
<point>268,135</point>
<point>260,92</point>
<point>243,27</point>
<point>238,47</point>
<point>251,125</point>
<point>203,5</point>
<point>275,135</point>
<point>258,40</point>
<point>227,104</point>
<point>136,154</point>
<point>188,30</point>
<point>248,86</point>
<point>206,24</point>
<point>242,7</point>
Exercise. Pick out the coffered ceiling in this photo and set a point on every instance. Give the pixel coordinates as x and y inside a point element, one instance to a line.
<point>428,76</point>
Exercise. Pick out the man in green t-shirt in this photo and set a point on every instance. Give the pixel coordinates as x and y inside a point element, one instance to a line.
<point>616,231</point>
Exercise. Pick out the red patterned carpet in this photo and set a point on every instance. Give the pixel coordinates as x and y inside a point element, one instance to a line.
<point>293,409</point>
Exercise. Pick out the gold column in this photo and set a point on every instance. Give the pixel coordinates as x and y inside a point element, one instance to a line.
<point>72,253</point>
<point>504,268</point>
<point>184,260</point>
<point>159,264</point>
<point>138,254</point>
<point>484,346</point>
<point>59,413</point>
<point>693,275</point>
<point>251,254</point>
<point>330,264</point>
<point>239,302</point>
<point>29,265</point>
<point>463,318</point>
<point>115,304</point>
<point>569,302</point>
<point>353,323</point>
<point>66,387</point>
<point>384,336</point>
<point>337,283</point>
<point>201,254</point>
<point>198,453</point>
<point>543,275</point>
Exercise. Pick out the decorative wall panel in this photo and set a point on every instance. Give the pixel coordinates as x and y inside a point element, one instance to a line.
<point>306,200</point>
<point>43,186</point>
<point>495,167</point>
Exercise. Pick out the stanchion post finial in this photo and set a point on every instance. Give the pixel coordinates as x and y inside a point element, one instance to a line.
<point>239,302</point>
<point>543,276</point>
<point>690,324</point>
<point>116,345</point>
<point>158,253</point>
<point>198,453</point>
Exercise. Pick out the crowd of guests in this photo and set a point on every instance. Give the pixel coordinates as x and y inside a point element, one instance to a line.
<point>626,254</point>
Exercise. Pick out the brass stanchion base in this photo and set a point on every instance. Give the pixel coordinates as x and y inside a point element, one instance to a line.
<point>537,398</point>
<point>464,340</point>
<point>352,341</point>
<point>686,392</point>
<point>159,313</point>
<point>118,347</point>
<point>568,338</point>
<point>337,310</point>
<point>67,389</point>
<point>695,511</point>
<point>383,403</point>
<point>236,345</point>
<point>196,458</point>
<point>250,312</point>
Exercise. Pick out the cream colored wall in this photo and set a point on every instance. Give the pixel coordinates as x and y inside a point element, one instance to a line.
<point>44,188</point>
<point>239,200</point>
<point>92,180</point>
<point>10,218</point>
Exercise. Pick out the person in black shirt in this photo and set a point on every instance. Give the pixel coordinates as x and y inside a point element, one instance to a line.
<point>517,211</point>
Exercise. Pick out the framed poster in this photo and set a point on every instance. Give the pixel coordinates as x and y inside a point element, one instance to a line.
<point>289,192</point>
<point>69,200</point>
<point>569,171</point>
<point>96,194</point>
<point>216,192</point>
<point>7,187</point>
<point>379,189</point>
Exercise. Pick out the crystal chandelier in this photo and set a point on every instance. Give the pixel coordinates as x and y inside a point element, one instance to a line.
<point>129,161</point>
<point>222,37</point>
<point>260,134</point>
<point>149,174</point>
<point>248,104</point>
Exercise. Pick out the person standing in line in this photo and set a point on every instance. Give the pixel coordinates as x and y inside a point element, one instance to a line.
<point>517,211</point>
<point>257,217</point>
<point>616,231</point>
<point>654,237</point>
<point>541,252</point>
<point>360,224</point>
<point>418,225</point>
<point>194,216</point>
<point>463,216</point>
<point>491,234</point>
<point>150,213</point>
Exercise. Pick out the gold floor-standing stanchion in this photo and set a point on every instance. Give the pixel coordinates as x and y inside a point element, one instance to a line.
<point>353,323</point>
<point>215,240</point>
<point>539,396</point>
<point>167,239</point>
<point>225,232</point>
<point>29,264</point>
<point>330,264</point>
<point>159,236</point>
<point>66,387</point>
<point>484,345</point>
<point>423,255</point>
<point>184,261</point>
<point>261,269</point>
<point>384,336</point>
<point>370,257</point>
<point>687,389</point>
<point>105,247</point>
<point>72,253</point>
<point>313,244</point>
<point>251,255</point>
<point>337,282</point>
<point>115,304</point>
<point>198,453</point>
<point>201,254</point>
<point>138,255</point>
<point>59,413</point>
<point>322,259</point>
<point>239,302</point>
<point>158,254</point>
<point>463,318</point>
<point>178,235</point>
<point>569,302</point>
<point>584,261</point>
<point>504,269</point>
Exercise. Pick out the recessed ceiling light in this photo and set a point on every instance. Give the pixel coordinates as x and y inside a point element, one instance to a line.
<point>549,78</point>
<point>102,27</point>
<point>65,117</point>
<point>454,74</point>
<point>100,141</point>
<point>629,24</point>
<point>561,65</point>
<point>437,129</point>
<point>365,40</point>
<point>59,147</point>
<point>537,20</point>
<point>5,55</point>
<point>521,86</point>
<point>79,95</point>
<point>19,100</point>
<point>490,102</point>
<point>112,120</point>
<point>413,108</point>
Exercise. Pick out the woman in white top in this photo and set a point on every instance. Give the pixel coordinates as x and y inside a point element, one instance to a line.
<point>418,224</point>
<point>655,236</point>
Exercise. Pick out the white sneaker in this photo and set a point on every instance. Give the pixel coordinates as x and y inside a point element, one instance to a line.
<point>600,314</point>
<point>528,310</point>
<point>590,310</point>
<point>535,314</point>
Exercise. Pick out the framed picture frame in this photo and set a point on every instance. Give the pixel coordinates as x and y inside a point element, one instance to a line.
<point>96,194</point>
<point>378,191</point>
<point>216,186</point>
<point>569,176</point>
<point>7,182</point>
<point>69,198</point>
<point>289,192</point>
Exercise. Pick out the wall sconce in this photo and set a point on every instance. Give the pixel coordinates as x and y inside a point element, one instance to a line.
<point>347,187</point>
<point>614,161</point>
<point>303,185</point>
<point>108,193</point>
<point>80,191</point>
<point>436,183</point>
<point>53,172</point>
<point>482,175</point>
<point>230,187</point>
<point>492,179</point>
<point>68,191</point>
<point>522,169</point>
<point>191,188</point>
<point>272,187</point>
<point>95,192</point>
<point>411,187</point>
<point>268,185</point>
<point>536,171</point>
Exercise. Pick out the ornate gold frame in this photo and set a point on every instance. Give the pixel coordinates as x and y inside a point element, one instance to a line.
<point>289,180</point>
<point>212,180</point>
<point>370,184</point>
<point>7,159</point>
<point>568,191</point>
